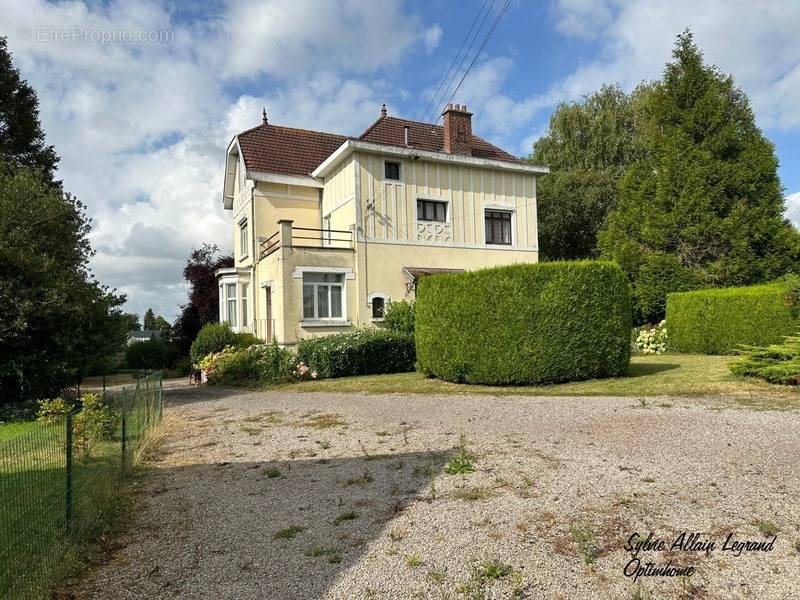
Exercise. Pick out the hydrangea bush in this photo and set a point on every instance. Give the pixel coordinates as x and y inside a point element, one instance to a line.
<point>651,339</point>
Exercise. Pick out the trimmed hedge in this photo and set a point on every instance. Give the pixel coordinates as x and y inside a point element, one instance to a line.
<point>214,337</point>
<point>362,352</point>
<point>716,321</point>
<point>525,323</point>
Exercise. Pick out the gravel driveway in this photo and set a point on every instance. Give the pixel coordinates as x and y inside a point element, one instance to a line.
<point>284,496</point>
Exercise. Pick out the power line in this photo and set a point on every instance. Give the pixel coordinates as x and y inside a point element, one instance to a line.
<point>455,58</point>
<point>477,55</point>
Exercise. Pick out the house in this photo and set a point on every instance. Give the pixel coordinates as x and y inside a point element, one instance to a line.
<point>329,229</point>
<point>143,335</point>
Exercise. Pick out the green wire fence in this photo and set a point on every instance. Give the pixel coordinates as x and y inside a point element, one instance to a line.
<point>58,481</point>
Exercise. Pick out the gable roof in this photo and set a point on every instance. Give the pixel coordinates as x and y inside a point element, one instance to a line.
<point>286,150</point>
<point>423,136</point>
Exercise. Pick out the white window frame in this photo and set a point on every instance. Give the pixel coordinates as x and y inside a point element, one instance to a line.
<point>386,302</point>
<point>231,301</point>
<point>244,239</point>
<point>504,209</point>
<point>447,210</point>
<point>329,284</point>
<point>244,292</point>
<point>399,171</point>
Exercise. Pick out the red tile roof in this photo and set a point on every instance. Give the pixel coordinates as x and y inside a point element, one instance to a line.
<point>422,136</point>
<point>285,150</point>
<point>290,151</point>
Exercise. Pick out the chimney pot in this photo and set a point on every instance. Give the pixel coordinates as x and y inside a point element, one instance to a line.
<point>457,130</point>
<point>383,110</point>
<point>405,132</point>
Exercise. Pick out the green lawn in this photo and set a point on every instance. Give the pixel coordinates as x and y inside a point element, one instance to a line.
<point>667,375</point>
<point>10,430</point>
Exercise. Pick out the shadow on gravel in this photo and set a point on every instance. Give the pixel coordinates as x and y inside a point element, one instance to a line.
<point>247,530</point>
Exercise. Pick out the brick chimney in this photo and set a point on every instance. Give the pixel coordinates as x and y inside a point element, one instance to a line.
<point>457,130</point>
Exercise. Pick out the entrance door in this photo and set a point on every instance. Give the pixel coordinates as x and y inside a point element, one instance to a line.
<point>269,328</point>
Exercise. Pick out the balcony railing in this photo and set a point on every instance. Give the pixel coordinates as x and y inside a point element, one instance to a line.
<point>305,237</point>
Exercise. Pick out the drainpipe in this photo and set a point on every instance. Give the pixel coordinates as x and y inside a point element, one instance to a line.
<point>251,289</point>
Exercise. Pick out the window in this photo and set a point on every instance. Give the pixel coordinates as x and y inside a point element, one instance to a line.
<point>498,227</point>
<point>431,210</point>
<point>244,304</point>
<point>391,170</point>
<point>230,294</point>
<point>243,238</point>
<point>378,305</point>
<point>322,295</point>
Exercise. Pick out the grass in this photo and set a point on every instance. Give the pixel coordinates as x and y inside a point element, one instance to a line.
<point>332,555</point>
<point>289,533</point>
<point>584,538</point>
<point>768,528</point>
<point>10,430</point>
<point>665,375</point>
<point>272,472</point>
<point>413,561</point>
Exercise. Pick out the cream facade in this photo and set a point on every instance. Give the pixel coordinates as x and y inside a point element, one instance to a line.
<point>329,251</point>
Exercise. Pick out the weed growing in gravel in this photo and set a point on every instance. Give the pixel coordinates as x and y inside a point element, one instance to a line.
<point>363,480</point>
<point>435,576</point>
<point>289,533</point>
<point>397,534</point>
<point>250,429</point>
<point>648,479</point>
<point>768,528</point>
<point>492,569</point>
<point>413,561</point>
<point>331,554</point>
<point>640,593</point>
<point>527,481</point>
<point>463,462</point>
<point>348,516</point>
<point>797,545</point>
<point>473,494</point>
<point>482,573</point>
<point>324,444</point>
<point>583,537</point>
<point>272,472</point>
<point>432,490</point>
<point>382,433</point>
<point>324,421</point>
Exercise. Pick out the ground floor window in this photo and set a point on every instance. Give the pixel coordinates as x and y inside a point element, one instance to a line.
<point>322,295</point>
<point>498,227</point>
<point>378,307</point>
<point>244,304</point>
<point>231,298</point>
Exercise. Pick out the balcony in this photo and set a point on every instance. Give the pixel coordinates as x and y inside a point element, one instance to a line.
<point>305,238</point>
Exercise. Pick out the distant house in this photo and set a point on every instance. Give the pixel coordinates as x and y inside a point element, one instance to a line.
<point>328,229</point>
<point>143,335</point>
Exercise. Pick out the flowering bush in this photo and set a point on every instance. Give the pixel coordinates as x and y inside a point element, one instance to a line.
<point>652,339</point>
<point>259,364</point>
<point>302,372</point>
<point>361,352</point>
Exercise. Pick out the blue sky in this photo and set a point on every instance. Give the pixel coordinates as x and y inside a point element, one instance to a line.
<point>140,98</point>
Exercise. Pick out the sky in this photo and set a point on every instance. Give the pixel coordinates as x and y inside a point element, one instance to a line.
<point>141,98</point>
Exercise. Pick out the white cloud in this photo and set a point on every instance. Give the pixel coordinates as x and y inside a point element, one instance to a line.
<point>431,37</point>
<point>141,128</point>
<point>287,38</point>
<point>793,208</point>
<point>582,18</point>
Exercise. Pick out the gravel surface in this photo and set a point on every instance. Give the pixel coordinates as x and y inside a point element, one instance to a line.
<point>284,496</point>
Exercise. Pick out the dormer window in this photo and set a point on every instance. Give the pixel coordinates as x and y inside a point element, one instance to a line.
<point>391,170</point>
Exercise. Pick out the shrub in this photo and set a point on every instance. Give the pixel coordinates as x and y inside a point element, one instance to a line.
<point>362,352</point>
<point>716,321</point>
<point>400,317</point>
<point>150,354</point>
<point>526,323</point>
<point>651,339</point>
<point>777,363</point>
<point>260,364</point>
<point>245,340</point>
<point>213,337</point>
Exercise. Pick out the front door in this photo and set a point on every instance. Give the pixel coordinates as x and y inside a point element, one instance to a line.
<point>269,328</point>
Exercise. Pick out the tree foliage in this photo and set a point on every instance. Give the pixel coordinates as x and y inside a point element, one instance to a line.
<point>21,136</point>
<point>587,146</point>
<point>701,205</point>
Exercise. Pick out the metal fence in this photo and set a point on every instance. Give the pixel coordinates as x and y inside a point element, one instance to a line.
<point>60,481</point>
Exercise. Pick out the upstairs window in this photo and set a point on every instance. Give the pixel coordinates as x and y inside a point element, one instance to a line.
<point>243,238</point>
<point>391,170</point>
<point>498,227</point>
<point>322,295</point>
<point>432,210</point>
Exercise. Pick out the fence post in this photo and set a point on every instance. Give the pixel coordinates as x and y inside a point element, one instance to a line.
<point>68,495</point>
<point>124,424</point>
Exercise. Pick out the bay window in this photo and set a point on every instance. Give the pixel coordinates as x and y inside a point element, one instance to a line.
<point>231,298</point>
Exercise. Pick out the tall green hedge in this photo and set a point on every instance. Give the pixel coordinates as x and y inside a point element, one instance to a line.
<point>716,321</point>
<point>525,324</point>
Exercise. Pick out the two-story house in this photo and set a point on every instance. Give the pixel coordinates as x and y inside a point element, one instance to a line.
<point>329,229</point>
